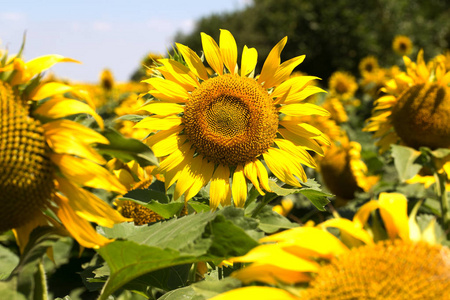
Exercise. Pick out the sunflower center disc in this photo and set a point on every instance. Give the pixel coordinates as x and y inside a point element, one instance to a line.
<point>230,119</point>
<point>421,116</point>
<point>387,270</point>
<point>26,172</point>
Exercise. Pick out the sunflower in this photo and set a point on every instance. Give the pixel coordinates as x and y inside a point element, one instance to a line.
<point>106,80</point>
<point>415,110</point>
<point>342,85</point>
<point>402,45</point>
<point>368,64</point>
<point>46,159</point>
<point>336,108</point>
<point>343,171</point>
<point>221,126</point>
<point>398,262</point>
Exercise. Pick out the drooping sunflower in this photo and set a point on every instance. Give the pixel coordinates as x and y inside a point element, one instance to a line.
<point>47,159</point>
<point>415,110</point>
<point>343,171</point>
<point>397,261</point>
<point>342,85</point>
<point>221,126</point>
<point>402,45</point>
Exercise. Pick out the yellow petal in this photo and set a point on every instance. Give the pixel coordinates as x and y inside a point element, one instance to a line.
<point>165,142</point>
<point>49,89</point>
<point>394,211</point>
<point>167,90</point>
<point>22,233</point>
<point>86,173</point>
<point>239,187</point>
<point>349,228</point>
<point>308,242</point>
<point>301,154</point>
<point>283,166</point>
<point>88,206</point>
<point>87,135</point>
<point>212,53</point>
<point>181,73</point>
<point>194,62</point>
<point>303,109</point>
<point>284,71</point>
<point>220,187</point>
<point>294,84</point>
<point>204,176</point>
<point>256,292</point>
<point>189,174</point>
<point>302,141</point>
<point>163,108</point>
<point>303,94</point>
<point>66,142</point>
<point>80,229</point>
<point>228,49</point>
<point>251,173</point>
<point>269,274</point>
<point>62,107</point>
<point>248,61</point>
<point>175,158</point>
<point>272,62</point>
<point>155,123</point>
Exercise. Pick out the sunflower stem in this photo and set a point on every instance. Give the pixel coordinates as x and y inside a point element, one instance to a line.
<point>265,200</point>
<point>40,281</point>
<point>442,195</point>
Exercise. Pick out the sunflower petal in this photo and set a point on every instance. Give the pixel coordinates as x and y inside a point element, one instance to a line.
<point>239,187</point>
<point>220,187</point>
<point>167,90</point>
<point>255,292</point>
<point>228,49</point>
<point>302,141</point>
<point>283,167</point>
<point>349,228</point>
<point>194,62</point>
<point>212,53</point>
<point>251,173</point>
<point>262,175</point>
<point>181,73</point>
<point>163,108</point>
<point>155,123</point>
<point>204,176</point>
<point>269,274</point>
<point>248,61</point>
<point>394,211</point>
<point>284,71</point>
<point>49,89</point>
<point>272,62</point>
<point>303,109</point>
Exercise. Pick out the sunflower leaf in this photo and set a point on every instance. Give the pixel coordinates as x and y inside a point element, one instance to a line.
<point>126,149</point>
<point>179,241</point>
<point>405,161</point>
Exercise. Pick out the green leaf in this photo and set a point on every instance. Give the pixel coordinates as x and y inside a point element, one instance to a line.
<point>198,206</point>
<point>186,240</point>
<point>126,149</point>
<point>312,192</point>
<point>9,262</point>
<point>133,118</point>
<point>7,291</point>
<point>404,161</point>
<point>270,221</point>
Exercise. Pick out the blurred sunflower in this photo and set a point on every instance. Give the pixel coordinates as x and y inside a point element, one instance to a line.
<point>342,85</point>
<point>343,171</point>
<point>368,64</point>
<point>106,80</point>
<point>336,109</point>
<point>221,126</point>
<point>394,261</point>
<point>402,45</point>
<point>46,159</point>
<point>415,110</point>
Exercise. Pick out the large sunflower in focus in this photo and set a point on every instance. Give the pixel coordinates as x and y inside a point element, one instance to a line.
<point>415,110</point>
<point>46,159</point>
<point>396,261</point>
<point>213,127</point>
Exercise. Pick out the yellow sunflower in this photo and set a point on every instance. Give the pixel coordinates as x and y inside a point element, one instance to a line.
<point>415,110</point>
<point>402,45</point>
<point>336,108</point>
<point>221,126</point>
<point>367,262</point>
<point>368,64</point>
<point>106,80</point>
<point>342,85</point>
<point>47,159</point>
<point>343,171</point>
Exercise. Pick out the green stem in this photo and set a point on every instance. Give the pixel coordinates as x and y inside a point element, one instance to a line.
<point>265,200</point>
<point>40,283</point>
<point>442,195</point>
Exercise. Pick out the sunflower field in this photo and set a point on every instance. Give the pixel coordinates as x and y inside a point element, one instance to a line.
<point>235,166</point>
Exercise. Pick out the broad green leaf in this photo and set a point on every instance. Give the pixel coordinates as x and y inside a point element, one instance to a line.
<point>404,161</point>
<point>7,291</point>
<point>198,206</point>
<point>312,192</point>
<point>237,216</point>
<point>193,238</point>
<point>270,221</point>
<point>9,262</point>
<point>126,149</point>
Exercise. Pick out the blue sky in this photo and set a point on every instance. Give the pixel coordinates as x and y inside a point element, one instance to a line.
<point>101,34</point>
